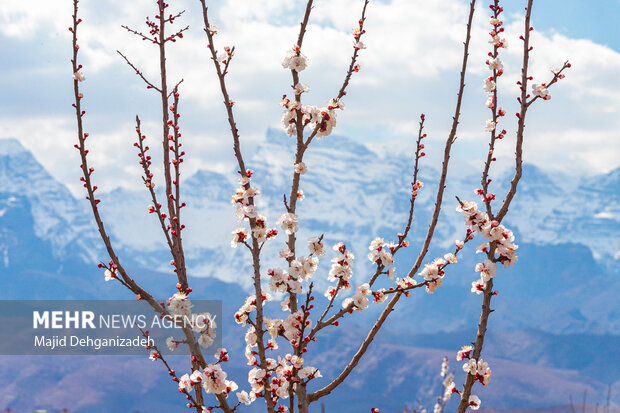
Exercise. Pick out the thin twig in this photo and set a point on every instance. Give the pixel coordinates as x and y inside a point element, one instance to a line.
<point>390,306</point>
<point>488,289</point>
<point>260,332</point>
<point>139,73</point>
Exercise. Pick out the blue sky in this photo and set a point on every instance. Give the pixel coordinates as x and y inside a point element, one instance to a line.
<point>598,23</point>
<point>594,20</point>
<point>410,66</point>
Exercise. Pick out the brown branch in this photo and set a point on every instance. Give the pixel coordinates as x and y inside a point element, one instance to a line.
<point>242,171</point>
<point>301,148</point>
<point>488,290</point>
<point>302,144</point>
<point>358,355</point>
<point>145,162</point>
<point>141,35</point>
<point>402,238</point>
<point>176,87</point>
<point>87,172</point>
<point>389,308</point>
<point>319,324</point>
<point>482,329</point>
<point>484,180</point>
<point>446,157</point>
<point>139,73</point>
<point>416,169</point>
<point>172,18</point>
<point>166,126</point>
<point>556,76</point>
<point>522,112</point>
<point>175,221</point>
<point>347,78</point>
<point>197,359</point>
<point>179,34</point>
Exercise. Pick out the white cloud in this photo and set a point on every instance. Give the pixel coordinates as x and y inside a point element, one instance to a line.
<point>411,66</point>
<point>111,153</point>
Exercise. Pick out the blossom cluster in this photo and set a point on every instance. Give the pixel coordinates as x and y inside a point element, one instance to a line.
<point>203,324</point>
<point>295,60</point>
<point>357,34</point>
<point>449,387</point>
<point>212,378</point>
<point>280,375</point>
<point>300,269</point>
<point>381,252</point>
<point>320,120</point>
<point>432,272</point>
<point>359,299</point>
<point>478,368</point>
<point>291,328</point>
<point>341,270</point>
<point>541,91</point>
<point>289,223</point>
<point>243,198</point>
<point>316,247</point>
<point>474,402</point>
<point>225,56</point>
<point>287,371</point>
<point>417,184</point>
<point>179,304</point>
<point>242,315</point>
<point>111,272</point>
<point>496,233</point>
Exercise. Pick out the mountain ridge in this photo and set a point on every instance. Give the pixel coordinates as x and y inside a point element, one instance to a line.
<point>555,330</point>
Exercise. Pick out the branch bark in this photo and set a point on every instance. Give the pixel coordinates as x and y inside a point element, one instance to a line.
<point>390,306</point>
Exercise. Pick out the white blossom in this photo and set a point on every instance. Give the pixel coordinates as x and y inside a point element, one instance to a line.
<point>79,76</point>
<point>316,246</point>
<point>295,60</point>
<point>300,88</point>
<point>289,223</point>
<point>214,379</point>
<point>108,275</point>
<point>496,64</point>
<point>489,85</point>
<point>474,402</point>
<point>246,398</point>
<point>171,343</point>
<point>185,383</point>
<point>464,352</point>
<point>238,236</point>
<point>541,91</point>
<point>301,168</point>
<point>179,304</point>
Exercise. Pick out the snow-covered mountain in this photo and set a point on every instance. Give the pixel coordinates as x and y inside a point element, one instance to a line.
<point>58,218</point>
<point>354,194</point>
<point>558,315</point>
<point>568,231</point>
